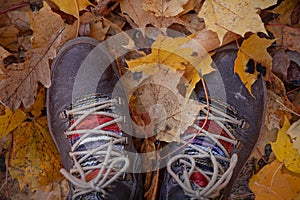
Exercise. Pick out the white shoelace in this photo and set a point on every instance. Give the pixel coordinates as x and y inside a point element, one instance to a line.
<point>219,177</point>
<point>111,161</point>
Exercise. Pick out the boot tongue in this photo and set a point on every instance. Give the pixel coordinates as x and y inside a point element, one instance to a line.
<point>207,144</point>
<point>90,122</point>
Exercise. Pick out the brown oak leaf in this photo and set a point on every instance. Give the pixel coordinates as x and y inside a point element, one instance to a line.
<point>19,82</point>
<point>142,18</point>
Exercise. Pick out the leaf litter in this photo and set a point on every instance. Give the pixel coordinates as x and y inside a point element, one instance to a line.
<point>210,23</point>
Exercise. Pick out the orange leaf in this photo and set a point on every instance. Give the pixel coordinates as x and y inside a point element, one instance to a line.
<point>272,183</point>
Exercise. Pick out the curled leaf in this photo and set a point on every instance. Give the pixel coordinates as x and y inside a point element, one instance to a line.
<point>284,151</point>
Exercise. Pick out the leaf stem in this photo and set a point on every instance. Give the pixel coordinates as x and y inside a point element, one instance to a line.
<point>13,8</point>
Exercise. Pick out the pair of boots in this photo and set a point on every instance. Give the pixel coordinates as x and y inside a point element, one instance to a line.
<point>90,124</point>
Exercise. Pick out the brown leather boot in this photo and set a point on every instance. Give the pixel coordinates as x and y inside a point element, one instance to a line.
<point>221,139</point>
<point>86,112</point>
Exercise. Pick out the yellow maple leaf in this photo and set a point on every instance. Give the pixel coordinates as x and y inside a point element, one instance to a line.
<point>10,121</point>
<point>174,53</point>
<point>72,7</point>
<point>164,8</point>
<point>34,159</point>
<point>223,16</point>
<point>272,183</point>
<point>284,151</point>
<point>253,49</point>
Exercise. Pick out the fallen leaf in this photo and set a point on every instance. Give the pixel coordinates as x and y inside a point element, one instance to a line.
<point>45,23</point>
<point>274,113</point>
<point>271,183</point>
<point>97,28</point>
<point>8,37</point>
<point>252,59</point>
<point>293,132</point>
<point>281,63</point>
<point>3,54</point>
<point>285,6</point>
<point>193,23</point>
<point>55,191</point>
<point>285,9</point>
<point>10,121</point>
<point>72,7</point>
<point>2,109</point>
<point>20,19</point>
<point>223,16</point>
<point>290,35</point>
<point>164,8</point>
<point>19,81</point>
<point>284,151</point>
<point>168,114</point>
<point>37,108</point>
<point>142,18</point>
<point>266,137</point>
<point>208,40</point>
<point>178,55</point>
<point>34,159</point>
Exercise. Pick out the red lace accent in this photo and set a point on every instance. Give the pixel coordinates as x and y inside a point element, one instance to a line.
<point>93,121</point>
<point>199,179</point>
<point>214,128</point>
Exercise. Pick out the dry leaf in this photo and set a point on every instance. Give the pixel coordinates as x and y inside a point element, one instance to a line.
<point>281,63</point>
<point>36,109</point>
<point>19,81</point>
<point>251,55</point>
<point>2,109</point>
<point>169,113</point>
<point>8,37</point>
<point>3,54</point>
<point>291,38</point>
<point>223,16</point>
<point>271,183</point>
<point>54,191</point>
<point>10,121</point>
<point>284,151</point>
<point>209,41</point>
<point>286,6</point>
<point>142,18</point>
<point>178,55</point>
<point>273,112</point>
<point>285,10</point>
<point>34,159</point>
<point>72,7</point>
<point>164,8</point>
<point>97,27</point>
<point>294,133</point>
<point>45,23</point>
<point>20,19</point>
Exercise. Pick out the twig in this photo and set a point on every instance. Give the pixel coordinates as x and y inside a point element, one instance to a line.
<point>261,155</point>
<point>5,183</point>
<point>289,92</point>
<point>13,8</point>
